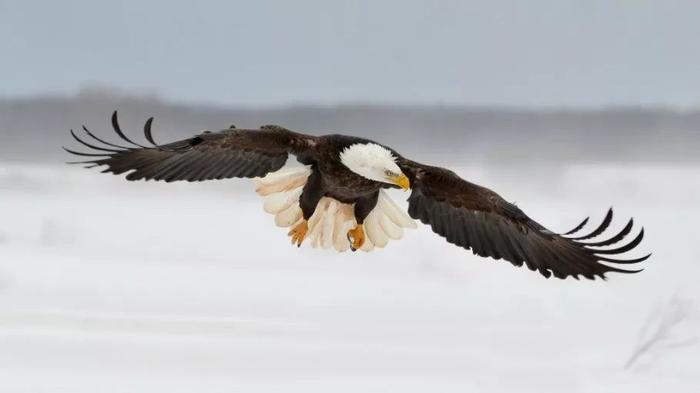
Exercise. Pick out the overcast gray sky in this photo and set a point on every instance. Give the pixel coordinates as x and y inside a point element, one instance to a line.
<point>516,53</point>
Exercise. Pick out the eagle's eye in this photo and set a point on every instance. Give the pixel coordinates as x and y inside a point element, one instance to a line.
<point>389,173</point>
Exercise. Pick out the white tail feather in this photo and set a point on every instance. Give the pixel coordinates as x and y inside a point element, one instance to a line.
<point>288,217</point>
<point>393,212</point>
<point>375,232</point>
<point>330,223</point>
<point>282,180</point>
<point>281,201</point>
<point>392,230</point>
<point>343,223</point>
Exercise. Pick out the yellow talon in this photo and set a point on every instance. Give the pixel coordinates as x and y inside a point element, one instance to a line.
<point>298,233</point>
<point>356,237</point>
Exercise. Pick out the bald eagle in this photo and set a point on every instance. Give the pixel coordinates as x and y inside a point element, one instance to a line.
<point>337,197</point>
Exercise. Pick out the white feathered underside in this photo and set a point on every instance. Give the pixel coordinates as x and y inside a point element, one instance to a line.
<point>330,223</point>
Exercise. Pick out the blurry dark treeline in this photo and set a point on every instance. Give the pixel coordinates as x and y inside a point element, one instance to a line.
<point>34,129</point>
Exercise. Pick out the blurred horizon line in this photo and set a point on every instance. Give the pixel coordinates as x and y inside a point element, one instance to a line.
<point>34,128</point>
<point>114,93</point>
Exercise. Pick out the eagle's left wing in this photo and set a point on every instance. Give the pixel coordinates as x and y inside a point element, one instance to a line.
<point>476,218</point>
<point>206,156</point>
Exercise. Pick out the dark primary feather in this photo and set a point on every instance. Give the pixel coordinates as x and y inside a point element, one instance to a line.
<point>209,155</point>
<point>476,218</point>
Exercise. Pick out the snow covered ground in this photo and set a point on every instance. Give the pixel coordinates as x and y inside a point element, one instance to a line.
<point>110,286</point>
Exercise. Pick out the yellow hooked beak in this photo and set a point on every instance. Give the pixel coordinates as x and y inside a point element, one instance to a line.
<point>401,181</point>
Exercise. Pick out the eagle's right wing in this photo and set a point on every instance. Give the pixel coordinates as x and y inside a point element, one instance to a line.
<point>477,218</point>
<point>209,155</point>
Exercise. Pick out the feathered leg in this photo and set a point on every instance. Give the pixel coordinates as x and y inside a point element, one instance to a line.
<point>310,196</point>
<point>363,207</point>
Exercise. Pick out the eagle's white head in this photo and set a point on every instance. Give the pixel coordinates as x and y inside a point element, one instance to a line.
<point>374,162</point>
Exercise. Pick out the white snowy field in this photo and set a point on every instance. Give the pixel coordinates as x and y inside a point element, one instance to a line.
<point>111,286</point>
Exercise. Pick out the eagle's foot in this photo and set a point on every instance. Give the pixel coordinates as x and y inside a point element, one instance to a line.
<point>298,233</point>
<point>356,237</point>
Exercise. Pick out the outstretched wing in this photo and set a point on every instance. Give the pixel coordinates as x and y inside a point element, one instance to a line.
<point>476,218</point>
<point>209,155</point>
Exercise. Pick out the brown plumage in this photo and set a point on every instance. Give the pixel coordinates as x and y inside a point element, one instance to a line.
<point>207,156</point>
<point>476,218</point>
<point>465,214</point>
